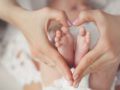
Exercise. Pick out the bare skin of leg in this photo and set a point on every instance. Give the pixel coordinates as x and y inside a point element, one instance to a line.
<point>49,75</point>
<point>33,86</point>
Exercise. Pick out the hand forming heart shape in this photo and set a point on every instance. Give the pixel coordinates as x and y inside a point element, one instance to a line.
<point>73,42</point>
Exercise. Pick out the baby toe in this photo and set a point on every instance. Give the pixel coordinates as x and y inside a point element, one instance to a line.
<point>82,31</point>
<point>58,33</point>
<point>57,39</point>
<point>64,30</point>
<point>87,37</point>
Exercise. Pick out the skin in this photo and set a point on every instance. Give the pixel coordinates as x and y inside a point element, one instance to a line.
<point>108,26</point>
<point>36,32</point>
<point>97,79</point>
<point>33,86</point>
<point>105,56</point>
<point>64,44</point>
<point>82,45</point>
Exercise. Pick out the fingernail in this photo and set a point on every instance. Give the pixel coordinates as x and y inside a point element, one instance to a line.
<point>75,77</point>
<point>69,23</point>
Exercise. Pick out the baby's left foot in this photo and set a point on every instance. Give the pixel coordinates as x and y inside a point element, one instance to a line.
<point>82,45</point>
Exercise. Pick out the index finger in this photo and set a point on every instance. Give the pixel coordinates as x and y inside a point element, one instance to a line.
<point>87,60</point>
<point>60,16</point>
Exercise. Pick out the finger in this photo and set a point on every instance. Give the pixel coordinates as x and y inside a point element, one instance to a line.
<point>55,60</point>
<point>60,16</point>
<point>50,55</point>
<point>95,16</point>
<point>82,68</point>
<point>59,63</point>
<point>102,64</point>
<point>85,16</point>
<point>87,60</point>
<point>97,65</point>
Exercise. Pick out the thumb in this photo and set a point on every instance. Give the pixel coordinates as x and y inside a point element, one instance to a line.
<point>60,16</point>
<point>88,16</point>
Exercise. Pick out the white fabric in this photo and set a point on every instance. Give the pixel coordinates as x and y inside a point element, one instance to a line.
<point>62,84</point>
<point>7,81</point>
<point>16,58</point>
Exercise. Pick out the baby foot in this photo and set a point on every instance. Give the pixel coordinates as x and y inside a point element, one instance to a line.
<point>65,45</point>
<point>82,45</point>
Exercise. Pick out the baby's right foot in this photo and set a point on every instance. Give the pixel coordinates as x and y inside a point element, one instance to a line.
<point>65,45</point>
<point>82,46</point>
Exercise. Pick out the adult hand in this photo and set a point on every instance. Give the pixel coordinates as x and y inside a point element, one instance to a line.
<point>34,26</point>
<point>36,32</point>
<point>107,50</point>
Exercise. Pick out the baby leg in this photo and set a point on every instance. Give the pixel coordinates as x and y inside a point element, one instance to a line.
<point>33,86</point>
